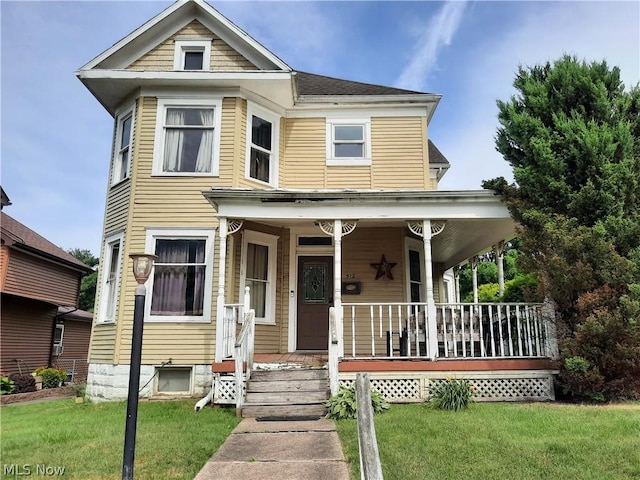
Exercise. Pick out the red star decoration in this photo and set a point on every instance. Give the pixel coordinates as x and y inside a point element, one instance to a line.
<point>384,268</point>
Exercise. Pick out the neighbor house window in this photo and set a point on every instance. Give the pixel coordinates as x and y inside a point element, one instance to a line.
<point>258,272</point>
<point>348,142</point>
<point>181,281</point>
<point>192,55</point>
<point>58,336</point>
<point>122,151</point>
<point>187,137</point>
<point>262,140</point>
<point>110,279</point>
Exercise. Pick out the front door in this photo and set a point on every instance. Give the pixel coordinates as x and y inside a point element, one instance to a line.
<point>315,296</point>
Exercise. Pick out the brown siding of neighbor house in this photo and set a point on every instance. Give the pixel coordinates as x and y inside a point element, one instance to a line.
<point>32,277</point>
<point>4,260</point>
<point>76,348</point>
<point>25,334</point>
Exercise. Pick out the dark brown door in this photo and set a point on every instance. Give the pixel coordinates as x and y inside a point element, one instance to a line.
<point>315,296</point>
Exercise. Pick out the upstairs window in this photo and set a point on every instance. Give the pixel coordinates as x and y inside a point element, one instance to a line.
<point>122,152</point>
<point>262,163</point>
<point>187,138</point>
<point>348,142</point>
<point>192,55</point>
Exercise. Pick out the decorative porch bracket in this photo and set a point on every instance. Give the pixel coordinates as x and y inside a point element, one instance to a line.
<point>226,227</point>
<point>427,230</point>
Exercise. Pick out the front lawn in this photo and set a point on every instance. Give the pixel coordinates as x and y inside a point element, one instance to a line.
<point>504,441</point>
<point>87,440</point>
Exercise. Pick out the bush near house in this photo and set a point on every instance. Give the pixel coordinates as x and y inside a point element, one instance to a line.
<point>23,383</point>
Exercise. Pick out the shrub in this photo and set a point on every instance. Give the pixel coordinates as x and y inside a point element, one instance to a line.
<point>523,288</point>
<point>24,383</point>
<point>343,405</point>
<point>452,394</point>
<point>6,385</point>
<point>52,377</point>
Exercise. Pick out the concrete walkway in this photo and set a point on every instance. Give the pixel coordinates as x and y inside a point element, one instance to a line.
<point>295,450</point>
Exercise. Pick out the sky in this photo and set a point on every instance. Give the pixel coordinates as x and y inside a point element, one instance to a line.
<point>56,138</point>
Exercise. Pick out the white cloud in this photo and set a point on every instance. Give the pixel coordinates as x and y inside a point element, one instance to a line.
<point>437,34</point>
<point>542,31</point>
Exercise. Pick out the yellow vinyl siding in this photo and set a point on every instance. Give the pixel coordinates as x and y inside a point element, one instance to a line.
<point>398,145</point>
<point>304,162</point>
<point>102,344</point>
<point>223,56</point>
<point>348,177</point>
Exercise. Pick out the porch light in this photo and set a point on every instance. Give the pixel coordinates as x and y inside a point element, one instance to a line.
<point>142,265</point>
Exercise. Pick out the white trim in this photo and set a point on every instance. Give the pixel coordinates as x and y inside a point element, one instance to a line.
<point>128,112</point>
<point>158,151</point>
<point>106,263</point>
<point>176,75</point>
<point>178,233</point>
<point>271,242</point>
<point>274,119</point>
<point>354,112</point>
<point>184,46</point>
<point>331,123</point>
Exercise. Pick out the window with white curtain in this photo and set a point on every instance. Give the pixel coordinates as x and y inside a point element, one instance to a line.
<point>258,272</point>
<point>181,281</point>
<point>187,137</point>
<point>122,151</point>
<point>110,279</point>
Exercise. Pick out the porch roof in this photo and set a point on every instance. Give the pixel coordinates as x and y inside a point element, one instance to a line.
<point>475,219</point>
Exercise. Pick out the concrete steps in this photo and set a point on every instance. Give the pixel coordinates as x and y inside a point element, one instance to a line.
<point>287,394</point>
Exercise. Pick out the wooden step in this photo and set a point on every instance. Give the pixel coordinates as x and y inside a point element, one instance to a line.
<point>283,411</point>
<point>286,386</point>
<point>290,374</point>
<point>287,398</point>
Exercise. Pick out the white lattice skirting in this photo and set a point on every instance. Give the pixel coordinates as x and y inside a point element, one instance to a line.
<point>224,392</point>
<point>497,386</point>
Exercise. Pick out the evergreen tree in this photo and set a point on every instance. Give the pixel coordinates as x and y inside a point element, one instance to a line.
<point>571,135</point>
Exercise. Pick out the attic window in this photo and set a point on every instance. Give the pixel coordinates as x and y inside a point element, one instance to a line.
<point>192,55</point>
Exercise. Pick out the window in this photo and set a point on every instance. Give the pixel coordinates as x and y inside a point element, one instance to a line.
<point>58,335</point>
<point>174,380</point>
<point>181,282</point>
<point>258,272</point>
<point>187,137</point>
<point>122,151</point>
<point>262,158</point>
<point>348,142</point>
<point>192,55</point>
<point>110,280</point>
<point>414,269</point>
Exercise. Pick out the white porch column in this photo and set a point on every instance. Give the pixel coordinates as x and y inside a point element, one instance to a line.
<point>473,261</point>
<point>222,263</point>
<point>499,251</point>
<point>456,276</point>
<point>337,283</point>
<point>432,326</point>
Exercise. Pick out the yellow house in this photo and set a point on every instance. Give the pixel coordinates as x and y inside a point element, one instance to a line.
<point>320,195</point>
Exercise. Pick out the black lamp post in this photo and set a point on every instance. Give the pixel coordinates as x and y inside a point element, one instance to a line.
<point>142,265</point>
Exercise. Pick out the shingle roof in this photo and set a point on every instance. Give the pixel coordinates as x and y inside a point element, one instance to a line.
<point>435,155</point>
<point>22,236</point>
<point>312,84</point>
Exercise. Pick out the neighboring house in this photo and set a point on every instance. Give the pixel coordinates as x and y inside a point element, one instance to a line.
<point>237,170</point>
<point>39,284</point>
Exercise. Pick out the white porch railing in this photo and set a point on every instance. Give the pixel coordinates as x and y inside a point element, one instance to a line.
<point>464,330</point>
<point>334,352</point>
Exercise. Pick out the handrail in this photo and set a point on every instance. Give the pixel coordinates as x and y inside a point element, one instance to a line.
<point>333,352</point>
<point>243,349</point>
<point>370,466</point>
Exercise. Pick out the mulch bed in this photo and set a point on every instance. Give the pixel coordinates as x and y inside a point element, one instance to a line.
<point>61,392</point>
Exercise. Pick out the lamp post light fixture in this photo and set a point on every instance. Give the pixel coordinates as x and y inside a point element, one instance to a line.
<point>142,266</point>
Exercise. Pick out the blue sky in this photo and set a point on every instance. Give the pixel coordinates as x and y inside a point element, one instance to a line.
<point>56,138</point>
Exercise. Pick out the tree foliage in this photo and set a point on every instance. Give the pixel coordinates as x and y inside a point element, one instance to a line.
<point>571,135</point>
<point>88,283</point>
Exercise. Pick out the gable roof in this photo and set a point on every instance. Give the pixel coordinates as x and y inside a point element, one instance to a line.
<point>436,156</point>
<point>17,235</point>
<point>313,84</point>
<point>5,198</point>
<point>172,19</point>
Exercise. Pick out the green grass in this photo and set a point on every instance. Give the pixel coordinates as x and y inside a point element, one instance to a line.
<point>172,442</point>
<point>504,441</point>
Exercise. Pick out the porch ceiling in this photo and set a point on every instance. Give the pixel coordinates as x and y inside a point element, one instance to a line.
<point>475,219</point>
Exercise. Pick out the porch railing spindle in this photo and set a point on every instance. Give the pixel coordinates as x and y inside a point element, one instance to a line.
<point>373,332</point>
<point>493,341</point>
<point>353,332</point>
<point>509,331</point>
<point>483,350</point>
<point>530,352</point>
<point>500,334</point>
<point>444,331</point>
<point>536,322</point>
<point>461,317</point>
<point>519,328</point>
